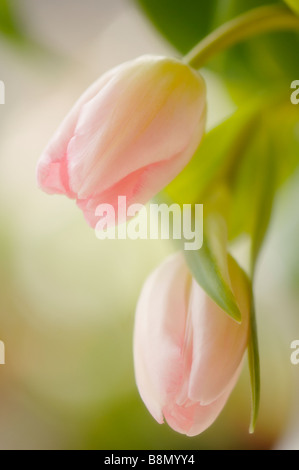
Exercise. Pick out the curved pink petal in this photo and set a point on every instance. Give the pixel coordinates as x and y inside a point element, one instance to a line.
<point>159,334</point>
<point>138,187</point>
<point>52,168</point>
<point>193,419</point>
<point>218,341</point>
<point>135,122</point>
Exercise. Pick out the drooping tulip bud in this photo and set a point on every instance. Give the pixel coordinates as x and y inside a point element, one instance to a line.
<point>129,135</point>
<point>188,353</point>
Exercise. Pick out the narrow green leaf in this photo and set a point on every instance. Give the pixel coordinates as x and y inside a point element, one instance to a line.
<point>209,266</point>
<point>265,194</point>
<point>246,152</point>
<point>254,368</point>
<point>253,191</point>
<point>293,4</point>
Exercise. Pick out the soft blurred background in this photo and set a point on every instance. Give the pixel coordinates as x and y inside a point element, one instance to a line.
<point>67,300</point>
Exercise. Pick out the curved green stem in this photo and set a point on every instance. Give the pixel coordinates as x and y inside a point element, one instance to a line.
<point>260,20</point>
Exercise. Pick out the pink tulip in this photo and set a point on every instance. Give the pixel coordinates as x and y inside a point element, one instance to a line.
<point>129,134</point>
<point>188,353</point>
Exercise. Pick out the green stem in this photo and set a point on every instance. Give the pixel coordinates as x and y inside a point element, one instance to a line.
<point>260,20</point>
<point>254,366</point>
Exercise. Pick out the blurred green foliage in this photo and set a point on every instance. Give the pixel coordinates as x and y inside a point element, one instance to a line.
<point>294,4</point>
<point>268,58</point>
<point>182,23</point>
<point>9,26</point>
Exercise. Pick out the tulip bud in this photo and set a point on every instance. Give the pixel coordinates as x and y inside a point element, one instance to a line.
<point>188,353</point>
<point>129,135</point>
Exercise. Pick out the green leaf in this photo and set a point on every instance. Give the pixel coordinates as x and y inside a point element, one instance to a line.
<point>244,152</point>
<point>265,194</point>
<point>254,368</point>
<point>284,129</point>
<point>253,191</point>
<point>209,266</point>
<point>293,4</point>
<point>253,152</point>
<point>267,160</point>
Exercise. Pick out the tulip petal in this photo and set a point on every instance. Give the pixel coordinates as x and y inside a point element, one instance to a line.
<point>218,341</point>
<point>50,177</point>
<point>188,352</point>
<point>129,135</point>
<point>194,419</point>
<point>134,122</point>
<point>159,334</point>
<point>137,187</point>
